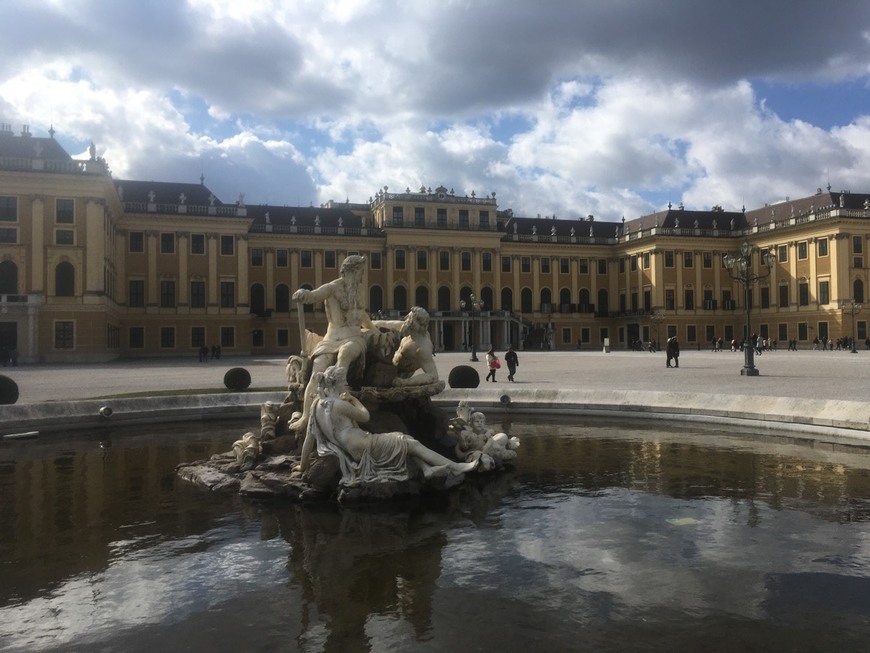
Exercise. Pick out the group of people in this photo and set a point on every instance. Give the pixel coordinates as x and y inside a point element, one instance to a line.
<point>493,363</point>
<point>204,352</point>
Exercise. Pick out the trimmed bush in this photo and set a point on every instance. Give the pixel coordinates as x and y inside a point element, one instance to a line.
<point>463,376</point>
<point>237,379</point>
<point>8,390</point>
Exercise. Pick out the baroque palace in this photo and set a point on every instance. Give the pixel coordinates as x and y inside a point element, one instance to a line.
<point>94,268</point>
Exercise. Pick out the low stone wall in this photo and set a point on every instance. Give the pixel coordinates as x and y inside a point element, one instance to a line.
<point>818,417</point>
<point>66,415</point>
<point>836,418</point>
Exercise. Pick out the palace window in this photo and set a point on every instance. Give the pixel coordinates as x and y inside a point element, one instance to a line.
<point>167,337</point>
<point>228,294</point>
<point>137,242</point>
<point>167,243</point>
<point>197,294</point>
<point>64,211</point>
<point>197,243</point>
<point>228,245</point>
<point>8,209</point>
<point>167,294</point>
<point>136,293</point>
<point>822,247</point>
<point>64,334</point>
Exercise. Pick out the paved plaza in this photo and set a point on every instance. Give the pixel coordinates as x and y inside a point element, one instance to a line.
<point>831,375</point>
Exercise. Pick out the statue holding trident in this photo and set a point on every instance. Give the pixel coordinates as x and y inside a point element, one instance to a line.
<point>344,342</point>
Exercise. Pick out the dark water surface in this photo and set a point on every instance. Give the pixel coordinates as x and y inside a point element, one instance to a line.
<point>603,537</point>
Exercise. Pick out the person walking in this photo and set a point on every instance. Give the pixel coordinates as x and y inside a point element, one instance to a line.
<point>492,363</point>
<point>672,349</point>
<point>510,357</point>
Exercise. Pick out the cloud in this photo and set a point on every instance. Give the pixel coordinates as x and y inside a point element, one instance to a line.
<point>569,108</point>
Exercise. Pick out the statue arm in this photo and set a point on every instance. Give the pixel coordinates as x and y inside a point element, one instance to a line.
<point>353,408</point>
<point>312,296</point>
<point>393,325</point>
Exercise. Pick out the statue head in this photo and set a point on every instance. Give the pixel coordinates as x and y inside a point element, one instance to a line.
<point>333,378</point>
<point>353,263</point>
<point>417,321</point>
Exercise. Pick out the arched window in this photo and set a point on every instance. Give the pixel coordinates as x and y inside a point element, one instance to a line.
<point>258,299</point>
<point>421,297</point>
<point>8,278</point>
<point>487,299</point>
<point>526,300</point>
<point>400,299</point>
<point>444,299</point>
<point>583,301</point>
<point>507,299</point>
<point>376,299</point>
<point>282,298</point>
<point>858,290</point>
<point>546,300</point>
<point>565,300</point>
<point>65,279</point>
<point>465,295</point>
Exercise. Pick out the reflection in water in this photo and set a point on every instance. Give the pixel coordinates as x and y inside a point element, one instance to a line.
<point>600,538</point>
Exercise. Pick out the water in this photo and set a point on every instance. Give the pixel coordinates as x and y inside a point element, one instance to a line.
<point>603,537</point>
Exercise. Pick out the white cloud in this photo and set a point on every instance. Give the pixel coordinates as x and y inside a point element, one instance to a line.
<point>586,107</point>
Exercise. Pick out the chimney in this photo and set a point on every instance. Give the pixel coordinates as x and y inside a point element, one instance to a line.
<point>25,131</point>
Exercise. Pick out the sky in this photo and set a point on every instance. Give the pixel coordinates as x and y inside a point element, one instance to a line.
<point>563,108</point>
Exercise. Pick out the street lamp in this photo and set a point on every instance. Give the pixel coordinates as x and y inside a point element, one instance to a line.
<point>740,269</point>
<point>854,308</point>
<point>475,305</point>
<point>656,318</point>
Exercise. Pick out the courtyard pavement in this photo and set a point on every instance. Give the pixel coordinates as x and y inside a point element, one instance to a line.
<point>828,375</point>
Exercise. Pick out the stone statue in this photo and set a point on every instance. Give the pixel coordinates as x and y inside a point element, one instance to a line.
<point>364,457</point>
<point>415,351</point>
<point>477,442</point>
<point>344,343</point>
<point>380,373</point>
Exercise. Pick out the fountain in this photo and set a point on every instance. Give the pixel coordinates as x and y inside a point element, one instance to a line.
<point>357,421</point>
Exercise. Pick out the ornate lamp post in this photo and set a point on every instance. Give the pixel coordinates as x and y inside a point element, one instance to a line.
<point>854,308</point>
<point>740,269</point>
<point>656,318</point>
<point>475,305</point>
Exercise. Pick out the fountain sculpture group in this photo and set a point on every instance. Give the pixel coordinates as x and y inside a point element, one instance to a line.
<point>354,397</point>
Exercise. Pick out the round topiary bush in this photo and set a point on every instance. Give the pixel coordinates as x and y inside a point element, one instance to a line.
<point>463,376</point>
<point>8,390</point>
<point>237,378</point>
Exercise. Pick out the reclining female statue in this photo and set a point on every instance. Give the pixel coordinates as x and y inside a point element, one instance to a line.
<point>365,457</point>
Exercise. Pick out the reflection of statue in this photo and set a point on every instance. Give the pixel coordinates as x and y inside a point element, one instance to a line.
<point>344,342</point>
<point>368,457</point>
<point>415,350</point>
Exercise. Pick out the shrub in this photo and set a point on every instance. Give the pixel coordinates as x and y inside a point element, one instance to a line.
<point>463,376</point>
<point>8,390</point>
<point>237,378</point>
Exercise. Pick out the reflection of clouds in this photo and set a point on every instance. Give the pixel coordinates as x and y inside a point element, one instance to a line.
<point>162,585</point>
<point>568,553</point>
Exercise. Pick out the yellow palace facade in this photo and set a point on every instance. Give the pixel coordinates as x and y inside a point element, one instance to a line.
<point>95,268</point>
